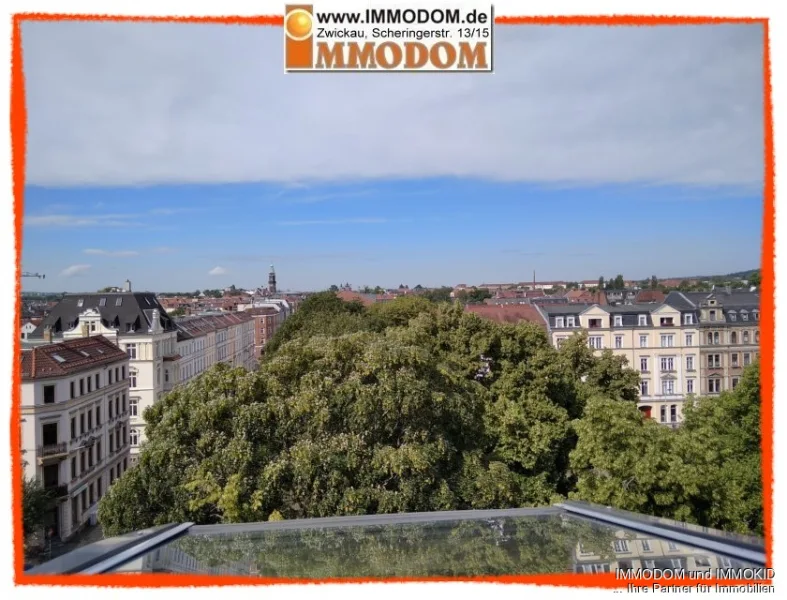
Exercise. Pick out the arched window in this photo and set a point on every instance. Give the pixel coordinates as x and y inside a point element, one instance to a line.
<point>745,337</point>
<point>734,337</point>
<point>134,437</point>
<point>710,337</point>
<point>756,337</point>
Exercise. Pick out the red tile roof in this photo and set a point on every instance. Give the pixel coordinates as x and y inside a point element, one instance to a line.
<point>647,296</point>
<point>356,297</point>
<point>69,357</point>
<point>508,313</point>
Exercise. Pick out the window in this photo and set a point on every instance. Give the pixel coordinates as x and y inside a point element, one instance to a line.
<point>98,416</point>
<point>89,384</point>
<point>756,337</point>
<point>746,359</point>
<point>123,402</point>
<point>595,342</point>
<point>570,322</point>
<point>667,363</point>
<point>618,342</point>
<point>132,379</point>
<point>621,546</point>
<point>158,376</point>
<point>72,389</point>
<point>712,315</point>
<point>82,424</point>
<point>710,338</point>
<point>735,382</point>
<point>668,387</point>
<point>102,302</point>
<point>166,375</point>
<point>73,468</point>
<point>673,547</point>
<point>80,302</point>
<point>745,337</point>
<point>81,387</point>
<point>123,372</point>
<point>734,337</point>
<point>666,322</point>
<point>117,405</point>
<point>119,301</point>
<point>133,404</point>
<point>734,359</point>
<point>643,341</point>
<point>714,385</point>
<point>618,321</point>
<point>715,337</point>
<point>673,413</point>
<point>646,546</point>
<point>98,381</point>
<point>73,428</point>
<point>714,361</point>
<point>131,350</point>
<point>109,407</point>
<point>643,388</point>
<point>663,414</point>
<point>134,437</point>
<point>744,316</point>
<point>643,364</point>
<point>667,341</point>
<point>98,450</point>
<point>49,394</point>
<point>90,420</point>
<point>689,363</point>
<point>689,386</point>
<point>642,320</point>
<point>688,319</point>
<point>90,457</point>
<point>689,339</point>
<point>732,316</point>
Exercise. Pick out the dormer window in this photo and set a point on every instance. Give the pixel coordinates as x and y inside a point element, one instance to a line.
<point>688,319</point>
<point>559,322</point>
<point>80,302</point>
<point>118,301</point>
<point>756,314</point>
<point>666,321</point>
<point>642,320</point>
<point>102,302</point>
<point>732,315</point>
<point>618,320</point>
<point>570,322</point>
<point>744,315</point>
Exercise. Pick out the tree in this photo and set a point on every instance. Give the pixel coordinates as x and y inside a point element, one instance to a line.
<point>619,283</point>
<point>36,502</point>
<point>438,295</point>
<point>601,283</point>
<point>654,282</point>
<point>333,288</point>
<point>755,279</point>
<point>106,290</point>
<point>177,312</point>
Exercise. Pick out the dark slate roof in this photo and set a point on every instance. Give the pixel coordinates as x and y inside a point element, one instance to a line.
<point>69,357</point>
<point>564,309</point>
<point>118,311</point>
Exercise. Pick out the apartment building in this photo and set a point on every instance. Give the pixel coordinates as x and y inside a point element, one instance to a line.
<point>75,424</point>
<point>134,321</point>
<point>659,341</point>
<point>638,551</point>
<point>729,322</point>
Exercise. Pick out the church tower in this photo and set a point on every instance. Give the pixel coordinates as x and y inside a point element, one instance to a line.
<point>272,281</point>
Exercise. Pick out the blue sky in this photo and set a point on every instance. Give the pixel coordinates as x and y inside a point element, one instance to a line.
<point>181,158</point>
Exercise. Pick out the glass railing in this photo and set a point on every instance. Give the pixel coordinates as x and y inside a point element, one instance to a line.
<point>567,538</point>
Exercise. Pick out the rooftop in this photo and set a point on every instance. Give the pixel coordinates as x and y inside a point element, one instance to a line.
<point>69,357</point>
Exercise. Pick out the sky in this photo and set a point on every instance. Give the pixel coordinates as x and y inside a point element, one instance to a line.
<point>181,157</point>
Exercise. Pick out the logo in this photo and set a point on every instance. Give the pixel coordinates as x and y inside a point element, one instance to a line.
<point>404,38</point>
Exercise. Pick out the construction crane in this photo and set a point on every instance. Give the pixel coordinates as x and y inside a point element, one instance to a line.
<point>26,274</point>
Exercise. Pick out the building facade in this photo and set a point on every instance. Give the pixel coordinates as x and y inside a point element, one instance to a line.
<point>692,344</point>
<point>134,321</point>
<point>75,424</point>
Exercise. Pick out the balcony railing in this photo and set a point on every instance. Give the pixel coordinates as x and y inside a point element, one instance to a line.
<point>52,451</point>
<point>57,491</point>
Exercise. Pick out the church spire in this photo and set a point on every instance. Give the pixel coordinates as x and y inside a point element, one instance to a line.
<point>272,281</point>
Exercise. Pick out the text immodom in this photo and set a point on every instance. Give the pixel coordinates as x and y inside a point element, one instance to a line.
<point>406,55</point>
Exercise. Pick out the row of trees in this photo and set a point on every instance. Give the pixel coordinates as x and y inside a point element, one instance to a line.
<point>382,409</point>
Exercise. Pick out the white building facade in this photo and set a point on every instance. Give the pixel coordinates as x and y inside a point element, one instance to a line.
<point>75,425</point>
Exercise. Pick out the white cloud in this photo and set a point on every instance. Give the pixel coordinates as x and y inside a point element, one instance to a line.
<point>64,221</point>
<point>115,253</point>
<point>333,222</point>
<point>217,271</point>
<point>74,270</point>
<point>164,250</point>
<point>208,103</point>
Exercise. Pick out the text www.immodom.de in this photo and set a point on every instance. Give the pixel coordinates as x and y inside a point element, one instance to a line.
<point>407,16</point>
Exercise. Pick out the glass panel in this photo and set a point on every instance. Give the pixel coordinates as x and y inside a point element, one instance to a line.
<point>421,546</point>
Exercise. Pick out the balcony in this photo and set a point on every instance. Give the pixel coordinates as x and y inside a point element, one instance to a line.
<point>58,492</point>
<point>52,452</point>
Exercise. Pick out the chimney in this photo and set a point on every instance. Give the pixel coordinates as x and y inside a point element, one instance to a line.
<point>127,286</point>
<point>48,334</point>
